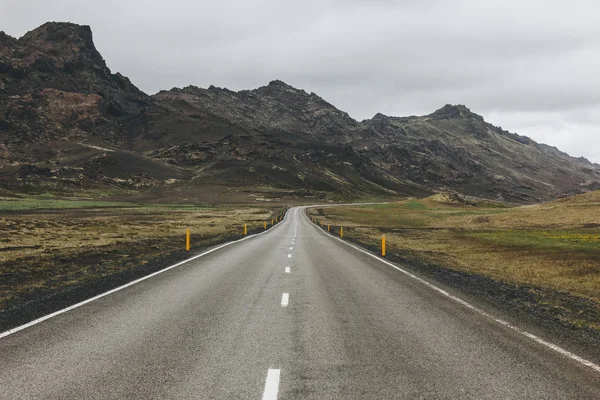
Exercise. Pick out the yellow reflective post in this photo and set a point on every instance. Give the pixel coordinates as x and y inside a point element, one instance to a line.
<point>341,231</point>
<point>328,228</point>
<point>245,229</point>
<point>265,224</point>
<point>383,246</point>
<point>187,240</point>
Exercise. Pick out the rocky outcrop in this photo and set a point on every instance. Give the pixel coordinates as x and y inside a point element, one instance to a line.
<point>275,107</point>
<point>56,86</point>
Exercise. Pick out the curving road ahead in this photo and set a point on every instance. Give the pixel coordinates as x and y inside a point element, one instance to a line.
<point>289,314</point>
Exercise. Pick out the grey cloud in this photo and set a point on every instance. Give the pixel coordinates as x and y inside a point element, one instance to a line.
<point>529,66</point>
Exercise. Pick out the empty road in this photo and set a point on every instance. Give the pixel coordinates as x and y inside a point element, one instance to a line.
<point>288,314</point>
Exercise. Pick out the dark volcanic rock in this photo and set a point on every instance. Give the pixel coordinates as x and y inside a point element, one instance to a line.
<point>275,107</point>
<point>55,84</point>
<point>61,105</point>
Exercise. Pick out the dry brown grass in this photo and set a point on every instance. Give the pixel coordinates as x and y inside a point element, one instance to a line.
<point>554,245</point>
<point>51,249</point>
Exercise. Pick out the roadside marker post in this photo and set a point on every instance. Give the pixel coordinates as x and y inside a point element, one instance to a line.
<point>383,246</point>
<point>341,231</point>
<point>328,228</point>
<point>187,240</point>
<point>245,229</point>
<point>265,225</point>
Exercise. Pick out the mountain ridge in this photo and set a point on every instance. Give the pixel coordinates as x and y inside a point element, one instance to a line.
<point>64,112</point>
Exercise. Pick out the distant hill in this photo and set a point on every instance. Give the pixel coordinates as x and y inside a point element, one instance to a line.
<point>67,122</point>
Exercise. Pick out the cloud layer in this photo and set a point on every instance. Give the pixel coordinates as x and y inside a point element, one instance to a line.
<point>530,66</point>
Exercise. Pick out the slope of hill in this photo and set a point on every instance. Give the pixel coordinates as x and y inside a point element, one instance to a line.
<point>67,122</point>
<point>454,148</point>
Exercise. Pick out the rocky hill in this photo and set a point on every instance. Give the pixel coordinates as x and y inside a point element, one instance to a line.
<point>67,122</point>
<point>454,148</point>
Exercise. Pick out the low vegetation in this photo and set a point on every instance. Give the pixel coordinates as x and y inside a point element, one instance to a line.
<point>553,246</point>
<point>47,245</point>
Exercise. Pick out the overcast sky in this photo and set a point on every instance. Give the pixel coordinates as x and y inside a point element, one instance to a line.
<point>532,67</point>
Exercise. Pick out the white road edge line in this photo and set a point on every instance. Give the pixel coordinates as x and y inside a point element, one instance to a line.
<point>287,270</point>
<point>271,384</point>
<point>507,324</point>
<point>77,305</point>
<point>285,299</point>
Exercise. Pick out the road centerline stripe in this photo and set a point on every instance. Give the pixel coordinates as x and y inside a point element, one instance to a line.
<point>271,384</point>
<point>287,270</point>
<point>285,299</point>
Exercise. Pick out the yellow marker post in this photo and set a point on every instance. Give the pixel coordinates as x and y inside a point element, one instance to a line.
<point>328,228</point>
<point>187,240</point>
<point>383,246</point>
<point>265,224</point>
<point>341,231</point>
<point>245,229</point>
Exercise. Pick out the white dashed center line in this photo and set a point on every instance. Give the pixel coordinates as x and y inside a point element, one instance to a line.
<point>291,248</point>
<point>285,299</point>
<point>271,384</point>
<point>289,256</point>
<point>287,270</point>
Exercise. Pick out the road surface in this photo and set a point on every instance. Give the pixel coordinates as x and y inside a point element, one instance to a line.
<point>289,314</point>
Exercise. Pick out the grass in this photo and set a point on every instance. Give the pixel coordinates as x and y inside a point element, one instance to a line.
<point>554,245</point>
<point>52,244</point>
<point>582,241</point>
<point>49,202</point>
<point>40,203</point>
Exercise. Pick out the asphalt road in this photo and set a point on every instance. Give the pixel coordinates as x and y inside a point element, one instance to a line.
<point>219,327</point>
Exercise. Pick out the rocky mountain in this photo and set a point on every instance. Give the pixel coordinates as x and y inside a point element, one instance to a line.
<point>67,122</point>
<point>454,148</point>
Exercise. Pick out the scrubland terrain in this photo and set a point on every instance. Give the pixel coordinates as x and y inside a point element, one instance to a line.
<point>545,256</point>
<point>56,247</point>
